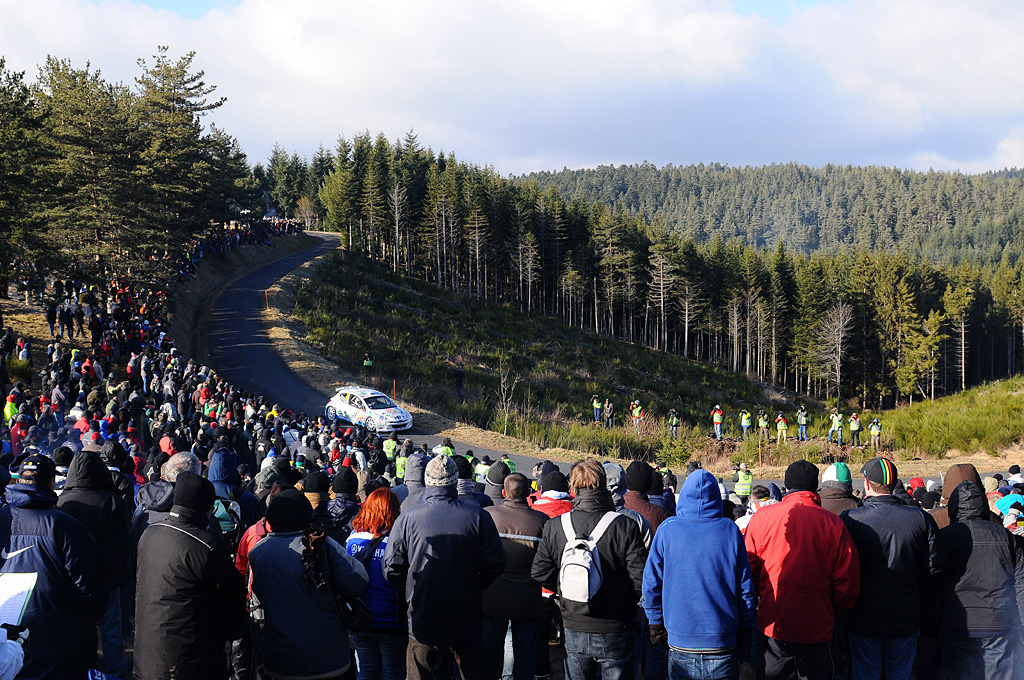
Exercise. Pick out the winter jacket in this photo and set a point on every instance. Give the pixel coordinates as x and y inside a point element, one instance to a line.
<point>697,579</point>
<point>981,588</point>
<point>304,636</point>
<point>189,600</point>
<point>336,522</point>
<point>250,538</point>
<point>804,566</point>
<point>380,595</point>
<point>515,595</point>
<point>89,496</point>
<point>900,558</point>
<point>342,509</point>
<point>69,594</point>
<point>224,475</point>
<point>837,501</point>
<point>444,552</point>
<point>415,471</point>
<point>655,515</point>
<point>956,474</point>
<point>623,554</point>
<point>553,503</point>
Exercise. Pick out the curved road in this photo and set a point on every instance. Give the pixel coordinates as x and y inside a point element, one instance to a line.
<point>241,351</point>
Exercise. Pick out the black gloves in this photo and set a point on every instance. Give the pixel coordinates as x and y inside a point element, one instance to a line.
<point>659,636</point>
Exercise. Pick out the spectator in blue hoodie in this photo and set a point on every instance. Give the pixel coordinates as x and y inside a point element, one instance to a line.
<point>697,589</point>
<point>226,480</point>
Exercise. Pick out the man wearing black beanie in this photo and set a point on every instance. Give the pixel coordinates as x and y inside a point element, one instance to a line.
<point>639,477</point>
<point>190,598</point>
<point>806,570</point>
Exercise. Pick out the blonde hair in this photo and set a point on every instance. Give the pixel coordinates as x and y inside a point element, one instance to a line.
<point>587,474</point>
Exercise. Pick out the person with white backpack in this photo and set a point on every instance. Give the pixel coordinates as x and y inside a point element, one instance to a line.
<point>594,558</point>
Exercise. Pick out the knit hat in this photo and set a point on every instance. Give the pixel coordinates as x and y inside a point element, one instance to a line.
<point>290,510</point>
<point>345,482</point>
<point>837,476</point>
<point>316,482</point>
<point>497,473</point>
<point>441,471</point>
<point>991,484</point>
<point>880,471</point>
<point>464,468</point>
<point>802,475</point>
<point>193,492</point>
<point>657,485</point>
<point>638,476</point>
<point>554,481</point>
<point>930,499</point>
<point>62,456</point>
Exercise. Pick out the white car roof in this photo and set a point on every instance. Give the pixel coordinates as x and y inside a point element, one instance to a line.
<point>362,391</point>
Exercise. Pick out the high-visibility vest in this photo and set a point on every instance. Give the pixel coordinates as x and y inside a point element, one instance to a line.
<point>875,428</point>
<point>597,404</point>
<point>762,421</point>
<point>745,481</point>
<point>801,417</point>
<point>637,411</point>
<point>781,424</point>
<point>446,450</point>
<point>716,416</point>
<point>481,472</point>
<point>854,424</point>
<point>673,421</point>
<point>746,419</point>
<point>368,362</point>
<point>400,466</point>
<point>390,446</point>
<point>837,420</point>
<point>511,465</point>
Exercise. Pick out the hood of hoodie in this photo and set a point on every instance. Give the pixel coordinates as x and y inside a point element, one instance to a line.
<point>967,501</point>
<point>700,497</point>
<point>113,454</point>
<point>87,471</point>
<point>416,471</point>
<point>956,474</point>
<point>223,467</point>
<point>157,496</point>
<point>615,475</point>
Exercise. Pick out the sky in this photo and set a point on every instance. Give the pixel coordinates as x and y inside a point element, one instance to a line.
<point>531,85</point>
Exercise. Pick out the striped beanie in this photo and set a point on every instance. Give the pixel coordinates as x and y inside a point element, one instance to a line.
<point>880,471</point>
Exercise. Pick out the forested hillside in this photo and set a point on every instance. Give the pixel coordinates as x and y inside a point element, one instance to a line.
<point>862,323</point>
<point>936,216</point>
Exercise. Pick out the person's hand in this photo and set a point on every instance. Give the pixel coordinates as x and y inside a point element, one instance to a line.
<point>659,636</point>
<point>17,633</point>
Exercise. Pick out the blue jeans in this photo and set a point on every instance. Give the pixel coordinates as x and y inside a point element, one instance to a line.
<point>524,647</point>
<point>693,666</point>
<point>718,430</point>
<point>380,656</point>
<point>873,654</point>
<point>114,662</point>
<point>746,431</point>
<point>838,431</point>
<point>611,653</point>
<point>597,415</point>
<point>801,433</point>
<point>991,658</point>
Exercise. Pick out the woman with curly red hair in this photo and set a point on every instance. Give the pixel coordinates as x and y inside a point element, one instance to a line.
<point>380,652</point>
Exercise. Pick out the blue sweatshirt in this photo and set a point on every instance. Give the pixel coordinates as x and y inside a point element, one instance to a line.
<point>698,568</point>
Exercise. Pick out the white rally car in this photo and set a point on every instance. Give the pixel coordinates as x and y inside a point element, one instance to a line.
<point>367,407</point>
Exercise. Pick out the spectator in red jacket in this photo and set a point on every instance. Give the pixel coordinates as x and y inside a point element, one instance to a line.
<point>805,570</point>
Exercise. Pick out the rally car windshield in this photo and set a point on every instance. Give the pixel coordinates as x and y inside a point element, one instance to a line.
<point>380,402</point>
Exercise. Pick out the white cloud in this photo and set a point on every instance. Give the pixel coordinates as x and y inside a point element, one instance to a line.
<point>1009,153</point>
<point>905,64</point>
<point>546,83</point>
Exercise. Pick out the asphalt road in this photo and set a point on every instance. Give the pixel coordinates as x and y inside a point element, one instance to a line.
<point>241,351</point>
